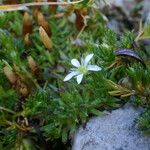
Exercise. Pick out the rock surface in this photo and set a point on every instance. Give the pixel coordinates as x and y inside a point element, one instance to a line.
<point>126,5</point>
<point>146,11</point>
<point>116,131</point>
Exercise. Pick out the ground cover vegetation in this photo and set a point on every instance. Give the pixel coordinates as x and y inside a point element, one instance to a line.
<point>39,108</point>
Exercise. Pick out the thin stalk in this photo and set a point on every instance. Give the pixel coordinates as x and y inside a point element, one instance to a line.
<point>6,109</point>
<point>25,5</point>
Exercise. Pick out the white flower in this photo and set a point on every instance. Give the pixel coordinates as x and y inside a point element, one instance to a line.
<point>81,68</point>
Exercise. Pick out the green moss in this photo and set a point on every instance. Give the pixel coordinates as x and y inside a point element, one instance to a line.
<point>54,109</point>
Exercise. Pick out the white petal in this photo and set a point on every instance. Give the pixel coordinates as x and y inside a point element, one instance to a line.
<point>93,68</point>
<point>79,78</point>
<point>75,63</point>
<point>70,75</point>
<point>88,58</point>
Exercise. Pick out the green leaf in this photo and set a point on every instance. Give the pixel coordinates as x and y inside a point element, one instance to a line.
<point>96,112</point>
<point>64,136</point>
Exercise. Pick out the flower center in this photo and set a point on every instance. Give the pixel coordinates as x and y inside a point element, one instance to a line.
<point>82,69</point>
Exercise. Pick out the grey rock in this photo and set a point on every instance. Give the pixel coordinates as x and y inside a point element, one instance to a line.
<point>126,5</point>
<point>146,18</point>
<point>146,11</point>
<point>113,25</point>
<point>116,131</point>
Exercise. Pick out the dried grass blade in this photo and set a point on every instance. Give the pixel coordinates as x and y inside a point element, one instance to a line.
<point>26,5</point>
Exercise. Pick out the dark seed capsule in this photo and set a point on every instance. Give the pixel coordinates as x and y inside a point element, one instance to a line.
<point>129,53</point>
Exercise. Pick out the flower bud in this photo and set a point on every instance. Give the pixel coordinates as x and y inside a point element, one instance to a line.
<point>32,64</point>
<point>27,40</point>
<point>10,74</point>
<point>23,90</point>
<point>21,87</point>
<point>36,9</point>
<point>42,22</point>
<point>79,23</point>
<point>27,23</point>
<point>45,38</point>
